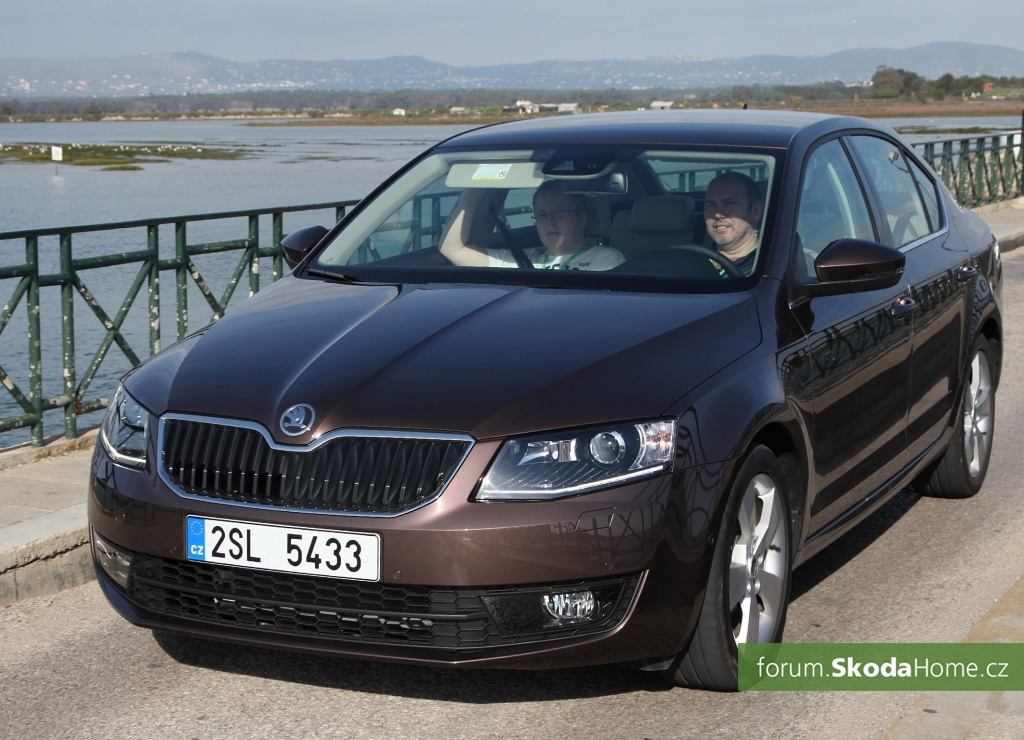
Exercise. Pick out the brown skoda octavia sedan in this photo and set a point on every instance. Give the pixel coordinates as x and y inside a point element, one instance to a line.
<point>562,392</point>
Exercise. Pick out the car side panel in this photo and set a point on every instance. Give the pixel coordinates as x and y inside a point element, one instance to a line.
<point>942,279</point>
<point>859,364</point>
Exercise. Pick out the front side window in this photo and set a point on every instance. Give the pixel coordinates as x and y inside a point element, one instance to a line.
<point>832,205</point>
<point>890,172</point>
<point>610,213</point>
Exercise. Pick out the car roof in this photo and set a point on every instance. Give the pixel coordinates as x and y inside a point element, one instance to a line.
<point>707,127</point>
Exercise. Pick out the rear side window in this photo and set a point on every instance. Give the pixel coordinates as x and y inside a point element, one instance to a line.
<point>929,195</point>
<point>890,172</point>
<point>677,176</point>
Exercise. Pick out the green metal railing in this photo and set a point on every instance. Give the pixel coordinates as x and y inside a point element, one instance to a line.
<point>30,280</point>
<point>978,170</point>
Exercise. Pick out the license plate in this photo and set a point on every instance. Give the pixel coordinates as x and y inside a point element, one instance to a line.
<point>317,552</point>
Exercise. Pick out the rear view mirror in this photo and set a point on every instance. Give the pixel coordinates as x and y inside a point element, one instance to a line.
<point>298,243</point>
<point>613,183</point>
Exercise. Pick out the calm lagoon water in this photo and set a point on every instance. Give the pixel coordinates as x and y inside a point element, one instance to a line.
<point>285,166</point>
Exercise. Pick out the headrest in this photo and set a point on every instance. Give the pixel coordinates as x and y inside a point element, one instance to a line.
<point>599,217</point>
<point>663,214</point>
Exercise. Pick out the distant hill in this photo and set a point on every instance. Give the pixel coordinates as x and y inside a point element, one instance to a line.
<point>193,72</point>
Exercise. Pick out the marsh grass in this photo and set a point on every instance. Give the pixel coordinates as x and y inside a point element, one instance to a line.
<point>112,155</point>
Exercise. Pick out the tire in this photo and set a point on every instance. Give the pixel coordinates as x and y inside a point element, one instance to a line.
<point>961,470</point>
<point>748,589</point>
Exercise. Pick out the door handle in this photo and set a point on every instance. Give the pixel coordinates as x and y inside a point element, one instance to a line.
<point>902,306</point>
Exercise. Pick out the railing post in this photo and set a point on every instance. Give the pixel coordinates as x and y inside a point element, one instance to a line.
<point>929,155</point>
<point>67,301</point>
<point>277,235</point>
<point>181,277</point>
<point>947,171</point>
<point>153,244</point>
<point>1019,157</point>
<point>35,344</point>
<point>254,251</point>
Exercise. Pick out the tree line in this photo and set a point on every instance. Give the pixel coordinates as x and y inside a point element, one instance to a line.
<point>887,84</point>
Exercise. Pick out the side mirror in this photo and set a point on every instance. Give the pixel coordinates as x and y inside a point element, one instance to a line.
<point>298,243</point>
<point>854,266</point>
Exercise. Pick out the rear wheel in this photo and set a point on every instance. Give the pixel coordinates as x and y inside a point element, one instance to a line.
<point>961,470</point>
<point>748,590</point>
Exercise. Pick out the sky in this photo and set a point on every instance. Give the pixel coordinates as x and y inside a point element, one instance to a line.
<point>481,32</point>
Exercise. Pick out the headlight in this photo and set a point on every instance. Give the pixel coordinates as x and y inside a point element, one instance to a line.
<point>547,466</point>
<point>125,429</point>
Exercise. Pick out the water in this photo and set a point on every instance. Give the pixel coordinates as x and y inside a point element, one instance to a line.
<point>922,126</point>
<point>286,165</point>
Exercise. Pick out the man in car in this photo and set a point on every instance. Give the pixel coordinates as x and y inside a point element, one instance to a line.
<point>733,207</point>
<point>561,220</point>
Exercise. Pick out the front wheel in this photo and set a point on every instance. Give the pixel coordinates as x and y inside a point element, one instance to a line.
<point>748,590</point>
<point>961,470</point>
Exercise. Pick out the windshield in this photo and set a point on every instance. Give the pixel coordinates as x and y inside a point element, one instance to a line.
<point>578,214</point>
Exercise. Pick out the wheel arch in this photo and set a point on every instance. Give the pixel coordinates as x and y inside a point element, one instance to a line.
<point>785,442</point>
<point>992,331</point>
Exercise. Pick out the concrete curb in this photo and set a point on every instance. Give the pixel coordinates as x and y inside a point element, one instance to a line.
<point>12,457</point>
<point>45,555</point>
<point>48,553</point>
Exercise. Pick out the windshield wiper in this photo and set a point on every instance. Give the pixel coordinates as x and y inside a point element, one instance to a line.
<point>344,277</point>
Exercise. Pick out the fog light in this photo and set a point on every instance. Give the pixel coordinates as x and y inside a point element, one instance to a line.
<point>571,608</point>
<point>526,612</point>
<point>115,562</point>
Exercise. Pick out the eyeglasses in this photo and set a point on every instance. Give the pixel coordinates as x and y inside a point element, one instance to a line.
<point>556,215</point>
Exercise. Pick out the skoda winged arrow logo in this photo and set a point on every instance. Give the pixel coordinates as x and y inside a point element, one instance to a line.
<point>297,419</point>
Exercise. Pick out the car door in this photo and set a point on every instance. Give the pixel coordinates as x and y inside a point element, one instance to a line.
<point>858,352</point>
<point>940,276</point>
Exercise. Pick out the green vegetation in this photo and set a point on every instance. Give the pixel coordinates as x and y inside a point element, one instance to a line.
<point>115,157</point>
<point>889,93</point>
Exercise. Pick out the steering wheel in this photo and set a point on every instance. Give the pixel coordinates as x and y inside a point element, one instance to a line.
<point>517,251</point>
<point>714,255</point>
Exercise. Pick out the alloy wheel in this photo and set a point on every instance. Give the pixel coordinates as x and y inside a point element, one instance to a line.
<point>758,565</point>
<point>978,416</point>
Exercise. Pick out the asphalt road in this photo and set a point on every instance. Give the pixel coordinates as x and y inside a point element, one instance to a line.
<point>921,570</point>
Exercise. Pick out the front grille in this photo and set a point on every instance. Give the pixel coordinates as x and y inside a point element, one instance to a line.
<point>358,474</point>
<point>337,610</point>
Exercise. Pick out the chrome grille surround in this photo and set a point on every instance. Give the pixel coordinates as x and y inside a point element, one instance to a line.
<point>355,472</point>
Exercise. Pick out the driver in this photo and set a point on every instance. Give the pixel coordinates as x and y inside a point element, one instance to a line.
<point>732,212</point>
<point>561,219</point>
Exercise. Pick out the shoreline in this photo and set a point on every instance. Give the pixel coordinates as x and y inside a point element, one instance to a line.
<point>863,109</point>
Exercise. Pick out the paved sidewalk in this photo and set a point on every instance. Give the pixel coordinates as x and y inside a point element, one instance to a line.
<point>44,548</point>
<point>1006,221</point>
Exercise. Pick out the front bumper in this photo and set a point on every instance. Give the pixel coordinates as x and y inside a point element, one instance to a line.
<point>448,572</point>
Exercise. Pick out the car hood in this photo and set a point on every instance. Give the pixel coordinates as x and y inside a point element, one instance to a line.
<point>485,360</point>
